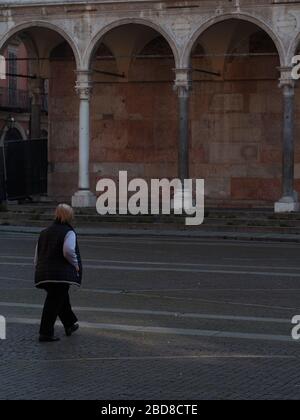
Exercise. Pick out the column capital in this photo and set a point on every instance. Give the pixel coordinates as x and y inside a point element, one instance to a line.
<point>83,85</point>
<point>286,80</point>
<point>183,82</point>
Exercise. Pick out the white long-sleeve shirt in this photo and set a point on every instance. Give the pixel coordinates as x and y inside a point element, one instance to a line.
<point>69,249</point>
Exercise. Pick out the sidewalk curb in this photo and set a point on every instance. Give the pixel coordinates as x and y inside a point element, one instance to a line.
<point>154,233</point>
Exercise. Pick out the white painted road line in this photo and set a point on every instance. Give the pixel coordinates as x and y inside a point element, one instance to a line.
<point>167,331</point>
<point>15,279</point>
<point>171,264</point>
<point>176,241</point>
<point>172,270</point>
<point>192,241</point>
<point>156,358</point>
<point>16,264</point>
<point>158,313</point>
<point>152,294</point>
<point>191,270</point>
<point>194,265</point>
<point>172,298</point>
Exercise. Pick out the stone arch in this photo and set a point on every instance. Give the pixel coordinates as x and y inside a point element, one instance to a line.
<point>47,25</point>
<point>185,59</point>
<point>19,127</point>
<point>293,49</point>
<point>89,53</point>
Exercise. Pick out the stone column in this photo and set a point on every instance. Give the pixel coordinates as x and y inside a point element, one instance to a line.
<point>36,92</point>
<point>183,88</point>
<point>289,201</point>
<point>84,197</point>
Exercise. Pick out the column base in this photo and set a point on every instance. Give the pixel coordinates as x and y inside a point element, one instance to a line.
<point>288,204</point>
<point>84,199</point>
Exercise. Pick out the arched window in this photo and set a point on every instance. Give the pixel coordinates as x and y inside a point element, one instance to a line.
<point>12,78</point>
<point>260,43</point>
<point>13,134</point>
<point>104,52</point>
<point>157,47</point>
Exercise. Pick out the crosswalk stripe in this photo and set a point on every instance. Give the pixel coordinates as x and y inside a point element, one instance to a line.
<point>168,331</point>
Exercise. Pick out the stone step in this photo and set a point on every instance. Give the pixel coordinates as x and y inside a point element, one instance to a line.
<point>96,219</point>
<point>229,213</point>
<point>171,226</point>
<point>159,219</point>
<point>217,219</point>
<point>241,224</point>
<point>211,216</point>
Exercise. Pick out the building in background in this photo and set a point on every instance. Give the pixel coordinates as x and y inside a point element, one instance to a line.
<point>20,120</point>
<point>197,89</point>
<point>14,94</point>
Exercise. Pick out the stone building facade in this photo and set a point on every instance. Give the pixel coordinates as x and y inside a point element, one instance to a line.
<point>198,88</point>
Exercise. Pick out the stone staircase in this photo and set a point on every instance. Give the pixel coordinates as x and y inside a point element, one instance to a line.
<point>231,220</point>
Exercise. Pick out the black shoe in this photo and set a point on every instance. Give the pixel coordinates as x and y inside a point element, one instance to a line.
<point>71,330</point>
<point>48,339</point>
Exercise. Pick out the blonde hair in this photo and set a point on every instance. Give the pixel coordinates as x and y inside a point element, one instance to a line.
<point>64,213</point>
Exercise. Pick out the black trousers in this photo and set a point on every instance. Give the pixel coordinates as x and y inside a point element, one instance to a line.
<point>57,304</point>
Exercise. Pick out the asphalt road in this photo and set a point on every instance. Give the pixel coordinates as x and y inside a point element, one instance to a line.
<point>177,319</point>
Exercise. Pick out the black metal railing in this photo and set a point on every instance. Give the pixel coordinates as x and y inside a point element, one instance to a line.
<point>19,100</point>
<point>14,99</point>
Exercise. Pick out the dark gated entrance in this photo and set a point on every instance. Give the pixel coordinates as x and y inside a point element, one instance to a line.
<point>23,169</point>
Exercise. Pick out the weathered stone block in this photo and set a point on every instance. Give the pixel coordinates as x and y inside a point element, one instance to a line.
<point>232,153</point>
<point>255,189</point>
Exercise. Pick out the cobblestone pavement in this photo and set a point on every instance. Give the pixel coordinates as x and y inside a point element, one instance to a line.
<point>160,319</point>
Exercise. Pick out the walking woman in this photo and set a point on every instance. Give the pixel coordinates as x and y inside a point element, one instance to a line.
<point>58,266</point>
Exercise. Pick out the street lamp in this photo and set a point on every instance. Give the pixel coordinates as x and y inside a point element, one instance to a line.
<point>10,122</point>
<point>9,125</point>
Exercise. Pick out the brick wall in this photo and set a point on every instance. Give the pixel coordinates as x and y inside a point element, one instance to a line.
<point>235,129</point>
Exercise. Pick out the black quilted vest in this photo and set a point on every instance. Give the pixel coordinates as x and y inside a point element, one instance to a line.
<point>52,267</point>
